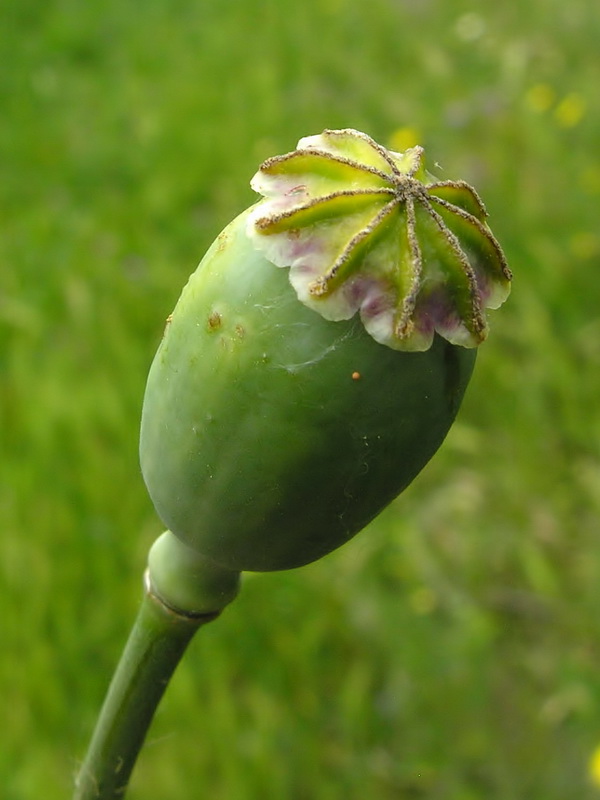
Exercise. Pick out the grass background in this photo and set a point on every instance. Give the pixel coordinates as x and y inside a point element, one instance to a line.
<point>451,652</point>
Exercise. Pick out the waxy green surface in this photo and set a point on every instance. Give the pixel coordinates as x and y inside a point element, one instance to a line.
<point>271,435</point>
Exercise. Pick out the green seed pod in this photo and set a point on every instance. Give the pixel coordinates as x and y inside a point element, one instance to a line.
<point>277,420</point>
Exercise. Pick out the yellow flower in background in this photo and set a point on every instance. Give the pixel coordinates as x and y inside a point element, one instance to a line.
<point>540,97</point>
<point>594,767</point>
<point>570,111</point>
<point>403,138</point>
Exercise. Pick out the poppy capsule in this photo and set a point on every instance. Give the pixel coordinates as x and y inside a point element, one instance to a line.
<point>285,408</point>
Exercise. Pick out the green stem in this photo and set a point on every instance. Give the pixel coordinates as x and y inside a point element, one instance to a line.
<point>158,640</point>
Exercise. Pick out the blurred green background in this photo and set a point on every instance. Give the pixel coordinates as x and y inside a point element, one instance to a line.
<point>450,652</point>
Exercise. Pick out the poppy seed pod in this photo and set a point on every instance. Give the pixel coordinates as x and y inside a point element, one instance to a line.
<point>285,408</point>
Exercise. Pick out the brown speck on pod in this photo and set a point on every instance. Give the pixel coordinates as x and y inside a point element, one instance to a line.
<point>167,323</point>
<point>240,331</point>
<point>356,376</point>
<point>222,239</point>
<point>214,321</point>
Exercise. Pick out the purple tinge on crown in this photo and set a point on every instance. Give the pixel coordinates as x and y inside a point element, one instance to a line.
<point>366,229</point>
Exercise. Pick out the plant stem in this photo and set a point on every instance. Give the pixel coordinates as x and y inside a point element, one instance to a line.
<point>157,642</point>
